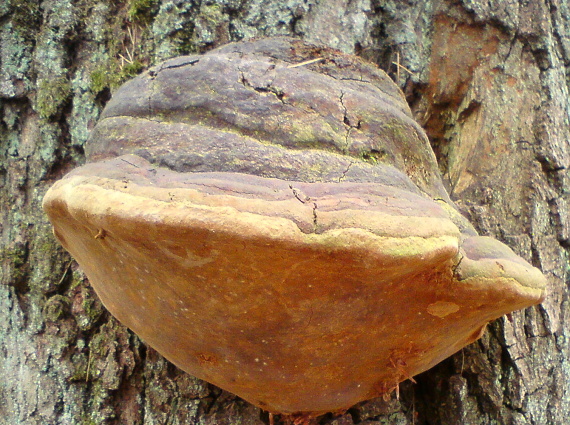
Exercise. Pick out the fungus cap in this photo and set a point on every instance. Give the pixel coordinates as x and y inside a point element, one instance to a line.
<point>235,217</point>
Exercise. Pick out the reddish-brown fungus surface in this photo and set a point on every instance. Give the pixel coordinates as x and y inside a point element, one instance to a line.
<point>281,231</point>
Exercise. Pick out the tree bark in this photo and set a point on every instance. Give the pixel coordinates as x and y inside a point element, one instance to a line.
<point>488,80</point>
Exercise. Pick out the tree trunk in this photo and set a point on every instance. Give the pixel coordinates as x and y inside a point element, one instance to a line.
<point>488,80</point>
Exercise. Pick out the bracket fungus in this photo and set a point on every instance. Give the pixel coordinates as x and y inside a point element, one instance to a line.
<point>276,225</point>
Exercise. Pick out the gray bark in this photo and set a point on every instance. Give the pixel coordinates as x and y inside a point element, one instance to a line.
<point>488,80</point>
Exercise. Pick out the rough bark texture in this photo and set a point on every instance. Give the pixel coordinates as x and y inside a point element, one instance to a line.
<point>489,82</point>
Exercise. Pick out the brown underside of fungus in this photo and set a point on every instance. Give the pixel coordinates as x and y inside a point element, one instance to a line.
<point>276,225</point>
